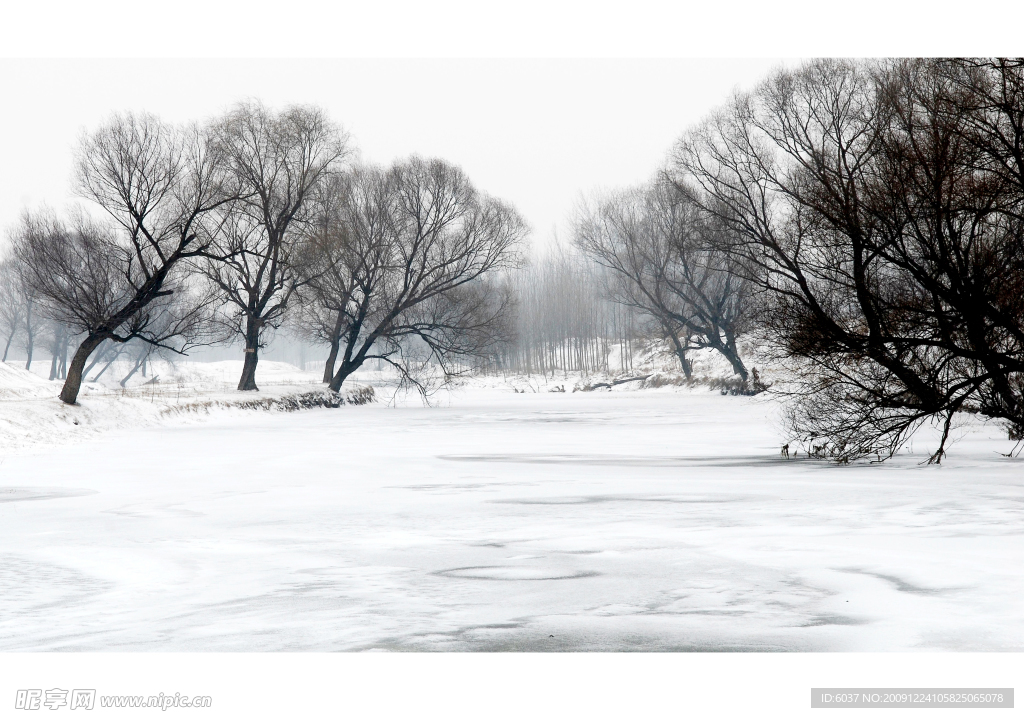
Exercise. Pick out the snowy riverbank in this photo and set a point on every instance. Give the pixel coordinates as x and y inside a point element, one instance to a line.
<point>33,418</point>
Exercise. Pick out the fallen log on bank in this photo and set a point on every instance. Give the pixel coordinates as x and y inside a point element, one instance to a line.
<point>615,382</point>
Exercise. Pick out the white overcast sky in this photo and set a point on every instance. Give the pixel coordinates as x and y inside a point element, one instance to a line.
<point>510,104</point>
<point>536,132</point>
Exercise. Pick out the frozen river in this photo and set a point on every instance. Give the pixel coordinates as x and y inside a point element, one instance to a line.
<point>602,521</point>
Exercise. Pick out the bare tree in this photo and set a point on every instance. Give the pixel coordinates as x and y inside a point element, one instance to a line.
<point>140,353</point>
<point>32,324</point>
<point>13,304</point>
<point>402,266</point>
<point>18,316</point>
<point>670,261</point>
<point>125,280</point>
<point>59,336</point>
<point>885,213</point>
<point>106,352</point>
<point>279,161</point>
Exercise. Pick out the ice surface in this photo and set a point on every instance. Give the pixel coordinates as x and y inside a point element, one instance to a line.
<point>620,520</point>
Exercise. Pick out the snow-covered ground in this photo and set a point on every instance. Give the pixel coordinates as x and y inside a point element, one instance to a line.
<point>655,519</point>
<point>32,417</point>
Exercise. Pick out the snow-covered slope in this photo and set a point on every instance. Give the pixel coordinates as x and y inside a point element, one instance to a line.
<point>16,383</point>
<point>33,418</point>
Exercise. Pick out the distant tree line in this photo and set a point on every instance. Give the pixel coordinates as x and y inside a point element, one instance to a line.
<point>563,320</point>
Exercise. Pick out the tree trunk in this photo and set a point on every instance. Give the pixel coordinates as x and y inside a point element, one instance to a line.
<point>8,347</point>
<point>53,364</point>
<point>138,362</point>
<point>681,353</point>
<point>728,350</point>
<point>331,359</point>
<point>339,324</point>
<point>252,341</point>
<point>347,368</point>
<point>248,380</point>
<point>62,370</point>
<point>69,394</point>
<point>30,335</point>
<point>96,360</point>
